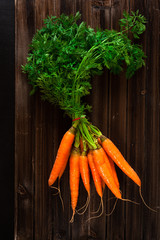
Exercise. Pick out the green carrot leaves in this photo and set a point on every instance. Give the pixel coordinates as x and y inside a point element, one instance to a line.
<point>64,55</point>
<point>134,23</point>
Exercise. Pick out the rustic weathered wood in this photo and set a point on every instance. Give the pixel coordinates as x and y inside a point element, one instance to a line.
<point>151,165</point>
<point>128,111</point>
<point>141,137</point>
<point>117,129</point>
<point>135,143</point>
<point>24,127</point>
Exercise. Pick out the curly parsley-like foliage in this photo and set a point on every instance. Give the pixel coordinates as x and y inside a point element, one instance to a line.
<point>64,55</point>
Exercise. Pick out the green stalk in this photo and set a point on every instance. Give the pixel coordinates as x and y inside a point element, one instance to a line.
<point>75,123</point>
<point>95,130</point>
<point>86,135</point>
<point>89,143</point>
<point>77,139</point>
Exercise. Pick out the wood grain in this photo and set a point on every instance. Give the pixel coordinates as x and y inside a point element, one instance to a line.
<point>128,111</point>
<point>24,124</point>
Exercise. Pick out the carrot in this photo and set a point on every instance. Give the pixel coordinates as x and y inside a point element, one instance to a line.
<point>106,160</point>
<point>63,169</point>
<point>117,157</point>
<point>98,182</point>
<point>74,179</point>
<point>104,172</point>
<point>95,174</point>
<point>84,171</point>
<point>111,165</point>
<point>62,155</point>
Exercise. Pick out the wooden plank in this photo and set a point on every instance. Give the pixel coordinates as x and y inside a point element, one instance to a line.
<point>117,130</point>
<point>152,123</point>
<point>67,6</point>
<point>143,95</point>
<point>24,122</point>
<point>43,217</point>
<point>48,133</point>
<point>135,141</point>
<point>99,100</point>
<point>135,150</point>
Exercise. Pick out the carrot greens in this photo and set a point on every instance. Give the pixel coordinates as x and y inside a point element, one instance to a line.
<point>62,58</point>
<point>64,55</point>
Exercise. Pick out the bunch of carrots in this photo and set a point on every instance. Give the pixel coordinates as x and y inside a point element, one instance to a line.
<point>86,149</point>
<point>63,57</point>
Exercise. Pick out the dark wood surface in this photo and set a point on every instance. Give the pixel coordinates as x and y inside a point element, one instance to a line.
<point>128,111</point>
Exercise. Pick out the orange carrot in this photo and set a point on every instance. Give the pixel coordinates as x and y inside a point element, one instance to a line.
<point>95,174</point>
<point>106,160</point>
<point>63,169</point>
<point>104,172</point>
<point>74,179</point>
<point>111,166</point>
<point>62,155</point>
<point>117,157</point>
<point>84,171</point>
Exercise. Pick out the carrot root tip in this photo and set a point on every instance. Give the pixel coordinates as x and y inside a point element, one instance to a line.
<point>99,214</point>
<point>60,196</point>
<point>56,189</point>
<point>129,200</point>
<point>84,207</point>
<point>114,206</point>
<point>72,218</point>
<point>140,192</point>
<point>98,208</point>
